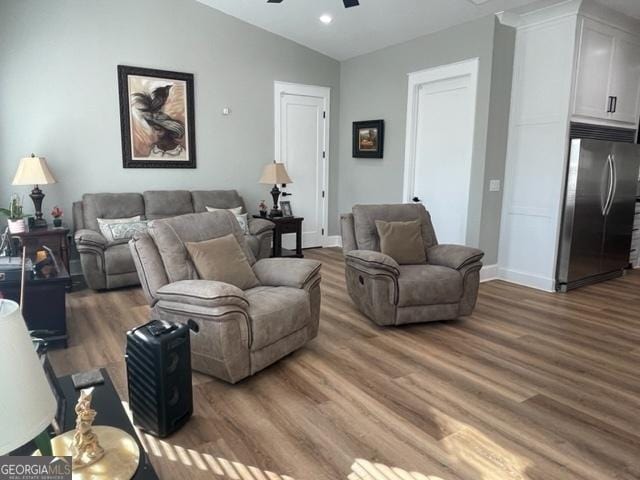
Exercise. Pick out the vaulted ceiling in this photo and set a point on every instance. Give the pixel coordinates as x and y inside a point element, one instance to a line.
<point>374,24</point>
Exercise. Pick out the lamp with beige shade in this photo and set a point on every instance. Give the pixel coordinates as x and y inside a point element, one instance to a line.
<point>274,174</point>
<point>28,404</point>
<point>35,171</point>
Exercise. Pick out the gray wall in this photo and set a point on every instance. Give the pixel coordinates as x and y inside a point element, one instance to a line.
<point>375,86</point>
<point>59,95</point>
<point>498,129</point>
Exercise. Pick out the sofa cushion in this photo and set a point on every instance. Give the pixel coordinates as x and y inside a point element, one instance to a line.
<point>110,205</point>
<point>202,199</point>
<point>365,216</point>
<point>167,203</point>
<point>428,285</point>
<point>222,259</point>
<point>402,241</point>
<point>169,235</point>
<point>276,312</point>
<point>118,259</point>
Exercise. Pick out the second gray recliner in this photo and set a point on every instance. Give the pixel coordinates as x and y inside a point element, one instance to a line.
<point>444,288</point>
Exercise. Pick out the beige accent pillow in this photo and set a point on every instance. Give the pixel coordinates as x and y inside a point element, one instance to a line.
<point>402,241</point>
<point>223,260</point>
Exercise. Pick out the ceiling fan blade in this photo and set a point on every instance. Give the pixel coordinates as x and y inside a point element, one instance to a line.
<point>350,3</point>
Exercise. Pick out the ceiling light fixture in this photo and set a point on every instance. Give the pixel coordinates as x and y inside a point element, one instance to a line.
<point>326,19</point>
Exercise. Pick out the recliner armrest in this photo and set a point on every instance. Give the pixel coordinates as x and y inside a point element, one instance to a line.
<point>453,256</point>
<point>373,259</point>
<point>260,225</point>
<point>203,293</point>
<point>90,238</point>
<point>286,272</point>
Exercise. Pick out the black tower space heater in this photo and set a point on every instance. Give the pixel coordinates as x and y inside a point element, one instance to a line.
<point>158,358</point>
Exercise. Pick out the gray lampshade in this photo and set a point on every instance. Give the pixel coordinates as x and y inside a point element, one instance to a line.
<point>27,404</point>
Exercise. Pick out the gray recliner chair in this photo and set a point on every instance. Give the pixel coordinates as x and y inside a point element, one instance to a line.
<point>444,288</point>
<point>238,332</point>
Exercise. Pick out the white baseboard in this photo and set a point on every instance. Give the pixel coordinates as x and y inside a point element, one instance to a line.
<point>333,241</point>
<point>527,280</point>
<point>489,272</point>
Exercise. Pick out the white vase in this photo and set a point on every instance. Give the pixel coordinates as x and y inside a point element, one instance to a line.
<point>17,226</point>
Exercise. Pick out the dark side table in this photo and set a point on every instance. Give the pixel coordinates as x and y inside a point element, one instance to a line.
<point>55,238</point>
<point>285,225</point>
<point>110,412</point>
<point>44,302</point>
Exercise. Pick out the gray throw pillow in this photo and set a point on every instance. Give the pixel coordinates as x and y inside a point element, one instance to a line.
<point>115,229</point>
<point>223,260</point>
<point>402,241</point>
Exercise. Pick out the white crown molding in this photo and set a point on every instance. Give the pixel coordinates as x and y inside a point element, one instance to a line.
<point>539,12</point>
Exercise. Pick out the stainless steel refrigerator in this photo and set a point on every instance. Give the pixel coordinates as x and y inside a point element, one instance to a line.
<point>598,212</point>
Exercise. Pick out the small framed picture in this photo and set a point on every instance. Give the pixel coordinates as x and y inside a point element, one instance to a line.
<point>285,205</point>
<point>368,139</point>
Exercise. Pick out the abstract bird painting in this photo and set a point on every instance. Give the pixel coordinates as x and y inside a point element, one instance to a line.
<point>157,118</point>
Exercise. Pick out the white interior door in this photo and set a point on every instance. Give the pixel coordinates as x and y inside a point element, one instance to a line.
<point>440,146</point>
<point>301,136</point>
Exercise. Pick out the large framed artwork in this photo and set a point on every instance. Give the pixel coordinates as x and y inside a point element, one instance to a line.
<point>157,118</point>
<point>368,139</point>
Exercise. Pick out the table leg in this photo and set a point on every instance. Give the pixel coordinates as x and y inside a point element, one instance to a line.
<point>299,241</point>
<point>277,243</point>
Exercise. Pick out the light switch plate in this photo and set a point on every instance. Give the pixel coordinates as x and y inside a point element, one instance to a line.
<point>494,185</point>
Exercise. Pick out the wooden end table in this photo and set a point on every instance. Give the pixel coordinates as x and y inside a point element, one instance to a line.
<point>44,302</point>
<point>285,225</point>
<point>55,238</point>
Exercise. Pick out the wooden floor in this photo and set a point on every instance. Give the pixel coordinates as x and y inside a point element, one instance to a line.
<point>532,386</point>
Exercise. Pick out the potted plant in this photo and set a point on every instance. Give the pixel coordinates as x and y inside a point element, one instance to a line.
<point>57,214</point>
<point>15,217</point>
<point>263,209</point>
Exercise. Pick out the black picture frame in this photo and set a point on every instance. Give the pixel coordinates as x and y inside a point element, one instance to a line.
<point>285,206</point>
<point>128,159</point>
<point>377,149</point>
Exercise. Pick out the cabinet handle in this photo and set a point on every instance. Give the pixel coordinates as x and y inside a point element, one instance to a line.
<point>610,105</point>
<point>615,104</point>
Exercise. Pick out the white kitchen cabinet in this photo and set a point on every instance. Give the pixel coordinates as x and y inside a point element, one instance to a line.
<point>607,81</point>
<point>595,58</point>
<point>625,79</point>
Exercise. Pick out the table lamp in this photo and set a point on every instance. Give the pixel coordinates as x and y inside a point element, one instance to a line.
<point>274,174</point>
<point>27,404</point>
<point>35,171</point>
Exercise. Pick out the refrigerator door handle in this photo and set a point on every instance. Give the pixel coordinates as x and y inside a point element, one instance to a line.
<point>614,182</point>
<point>605,186</point>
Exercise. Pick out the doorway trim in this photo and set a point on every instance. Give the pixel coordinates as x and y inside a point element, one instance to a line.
<point>286,88</point>
<point>467,67</point>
